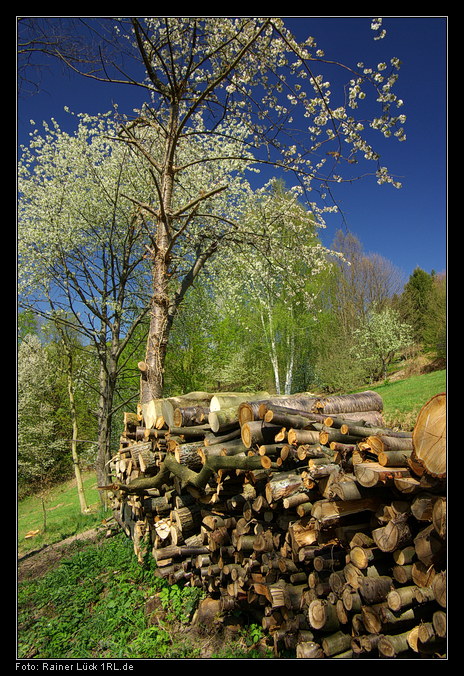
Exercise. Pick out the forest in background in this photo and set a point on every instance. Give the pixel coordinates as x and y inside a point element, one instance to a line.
<point>364,325</point>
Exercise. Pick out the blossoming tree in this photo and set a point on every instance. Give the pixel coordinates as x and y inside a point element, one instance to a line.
<point>227,96</point>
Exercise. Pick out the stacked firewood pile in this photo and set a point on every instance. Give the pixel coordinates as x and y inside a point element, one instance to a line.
<point>305,513</point>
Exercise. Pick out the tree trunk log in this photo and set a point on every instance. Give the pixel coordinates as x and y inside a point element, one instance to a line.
<point>223,420</point>
<point>336,643</point>
<point>375,589</point>
<point>257,433</point>
<point>350,403</point>
<point>429,437</point>
<point>323,615</point>
<point>394,535</point>
<point>190,416</point>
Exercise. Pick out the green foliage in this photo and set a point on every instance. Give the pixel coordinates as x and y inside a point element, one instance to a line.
<point>93,605</point>
<point>416,300</point>
<point>179,602</point>
<point>379,339</point>
<point>44,418</point>
<point>434,333</point>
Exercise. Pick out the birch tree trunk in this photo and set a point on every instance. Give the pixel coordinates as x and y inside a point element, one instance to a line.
<point>74,453</point>
<point>290,360</point>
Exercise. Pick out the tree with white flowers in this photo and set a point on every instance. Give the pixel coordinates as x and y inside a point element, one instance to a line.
<point>80,252</point>
<point>382,336</point>
<point>227,96</point>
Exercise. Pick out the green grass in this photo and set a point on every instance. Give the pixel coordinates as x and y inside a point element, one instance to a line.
<point>62,514</point>
<point>102,603</point>
<point>403,399</point>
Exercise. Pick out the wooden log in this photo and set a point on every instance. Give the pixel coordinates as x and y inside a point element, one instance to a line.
<point>439,516</point>
<point>371,618</point>
<point>345,487</point>
<point>170,404</point>
<point>336,643</point>
<point>430,548</point>
<point>173,551</point>
<point>190,416</point>
<point>421,574</point>
<point>322,615</point>
<point>331,510</point>
<point>223,420</point>
<point>257,433</point>
<point>195,433</point>
<point>404,555</point>
<point>297,437</point>
<point>394,535</point>
<point>370,474</point>
<point>308,650</point>
<point>391,646</point>
<point>371,430</point>
<point>187,454</point>
<point>350,403</point>
<point>363,557</point>
<point>394,458</point>
<point>439,623</point>
<point>351,599</point>
<point>375,589</point>
<point>289,420</point>
<point>282,485</point>
<point>329,435</point>
<point>212,439</point>
<point>402,597</point>
<point>424,594</point>
<point>382,444</point>
<point>439,588</point>
<point>429,437</point>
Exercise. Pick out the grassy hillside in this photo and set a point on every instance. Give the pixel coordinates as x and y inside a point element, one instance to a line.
<point>55,514</point>
<point>403,399</point>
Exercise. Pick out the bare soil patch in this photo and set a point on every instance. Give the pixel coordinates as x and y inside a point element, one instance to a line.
<point>37,563</point>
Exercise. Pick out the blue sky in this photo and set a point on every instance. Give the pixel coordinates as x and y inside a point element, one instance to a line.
<point>407,226</point>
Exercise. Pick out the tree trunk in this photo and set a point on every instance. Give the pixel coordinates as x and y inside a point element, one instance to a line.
<point>104,433</point>
<point>75,456</point>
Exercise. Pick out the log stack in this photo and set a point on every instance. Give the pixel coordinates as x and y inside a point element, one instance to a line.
<point>305,513</point>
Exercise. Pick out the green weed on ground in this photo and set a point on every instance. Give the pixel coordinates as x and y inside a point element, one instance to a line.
<point>94,606</point>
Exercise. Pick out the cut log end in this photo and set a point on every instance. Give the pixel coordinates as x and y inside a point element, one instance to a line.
<point>429,437</point>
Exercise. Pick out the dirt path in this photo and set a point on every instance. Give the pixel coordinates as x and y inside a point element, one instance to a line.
<point>35,564</point>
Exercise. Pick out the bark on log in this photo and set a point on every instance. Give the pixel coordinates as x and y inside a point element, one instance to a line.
<point>257,433</point>
<point>233,399</point>
<point>394,535</point>
<point>350,403</point>
<point>224,419</point>
<point>391,646</point>
<point>190,415</point>
<point>375,589</point>
<point>336,643</point>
